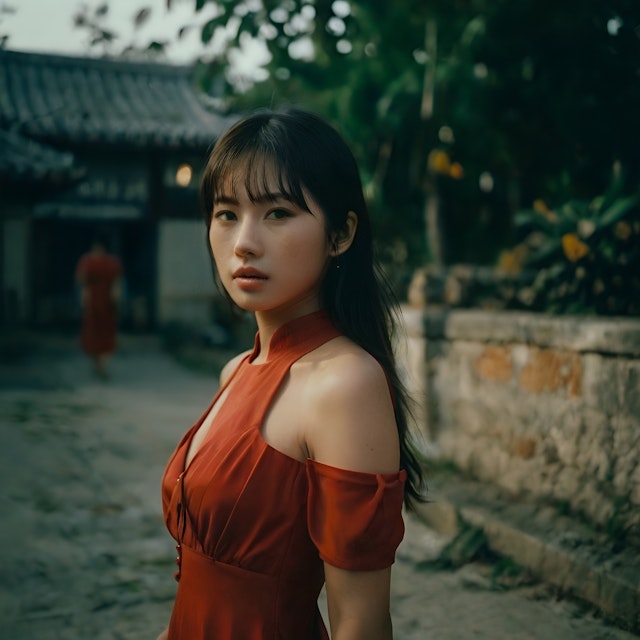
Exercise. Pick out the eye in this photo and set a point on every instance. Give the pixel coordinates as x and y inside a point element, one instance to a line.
<point>279,214</point>
<point>224,214</point>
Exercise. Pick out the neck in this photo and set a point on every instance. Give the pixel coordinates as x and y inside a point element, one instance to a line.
<point>269,322</point>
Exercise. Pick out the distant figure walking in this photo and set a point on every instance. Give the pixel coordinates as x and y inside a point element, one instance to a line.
<point>99,275</point>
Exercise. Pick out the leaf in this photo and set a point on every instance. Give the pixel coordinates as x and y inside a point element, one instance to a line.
<point>102,10</point>
<point>200,4</point>
<point>573,210</point>
<point>540,281</point>
<point>249,25</point>
<point>618,210</point>
<point>476,28</point>
<point>597,203</point>
<point>542,255</point>
<point>210,27</point>
<point>555,271</point>
<point>107,36</point>
<point>402,85</point>
<point>607,251</point>
<point>141,17</point>
<point>525,217</point>
<point>529,218</point>
<point>157,45</point>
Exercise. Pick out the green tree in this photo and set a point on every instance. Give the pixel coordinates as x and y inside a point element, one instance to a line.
<point>528,99</point>
<point>364,66</point>
<point>460,111</point>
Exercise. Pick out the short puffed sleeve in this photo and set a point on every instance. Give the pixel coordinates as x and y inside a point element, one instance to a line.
<point>355,518</point>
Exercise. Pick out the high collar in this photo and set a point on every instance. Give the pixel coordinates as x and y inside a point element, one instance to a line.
<point>293,334</point>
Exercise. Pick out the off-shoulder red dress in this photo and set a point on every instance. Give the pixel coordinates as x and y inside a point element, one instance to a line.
<point>254,526</point>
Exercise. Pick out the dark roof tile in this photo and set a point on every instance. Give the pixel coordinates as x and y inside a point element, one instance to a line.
<point>80,100</point>
<point>24,161</point>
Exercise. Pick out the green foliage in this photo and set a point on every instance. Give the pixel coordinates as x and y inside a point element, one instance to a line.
<point>94,23</point>
<point>355,74</point>
<point>585,253</point>
<point>536,97</point>
<point>101,37</point>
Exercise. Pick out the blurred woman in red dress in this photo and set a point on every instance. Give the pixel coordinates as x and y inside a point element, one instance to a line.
<point>99,275</point>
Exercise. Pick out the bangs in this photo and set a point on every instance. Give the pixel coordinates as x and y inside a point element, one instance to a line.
<point>261,174</point>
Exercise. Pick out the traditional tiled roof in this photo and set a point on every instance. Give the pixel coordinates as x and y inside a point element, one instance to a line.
<point>26,161</point>
<point>69,100</point>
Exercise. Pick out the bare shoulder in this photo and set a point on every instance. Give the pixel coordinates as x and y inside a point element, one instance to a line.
<point>231,366</point>
<point>351,422</point>
<point>347,369</point>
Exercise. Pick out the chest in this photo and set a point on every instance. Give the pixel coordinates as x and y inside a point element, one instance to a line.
<point>279,411</point>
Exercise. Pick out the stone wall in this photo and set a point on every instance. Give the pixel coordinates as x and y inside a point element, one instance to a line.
<point>542,406</point>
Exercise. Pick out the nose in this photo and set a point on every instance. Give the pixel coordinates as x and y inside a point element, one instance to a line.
<point>248,238</point>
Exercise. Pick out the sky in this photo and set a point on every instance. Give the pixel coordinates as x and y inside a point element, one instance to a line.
<point>46,26</point>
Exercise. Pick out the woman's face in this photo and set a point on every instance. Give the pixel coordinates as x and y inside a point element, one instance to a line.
<point>270,254</point>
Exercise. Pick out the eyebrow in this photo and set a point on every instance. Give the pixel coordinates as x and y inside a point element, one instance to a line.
<point>263,197</point>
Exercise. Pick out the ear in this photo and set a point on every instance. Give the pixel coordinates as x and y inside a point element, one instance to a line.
<point>342,239</point>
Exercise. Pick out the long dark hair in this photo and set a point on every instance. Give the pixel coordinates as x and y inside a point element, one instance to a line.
<point>303,152</point>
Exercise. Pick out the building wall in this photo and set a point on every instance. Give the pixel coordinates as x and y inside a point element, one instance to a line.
<point>186,290</point>
<point>15,269</point>
<point>542,406</point>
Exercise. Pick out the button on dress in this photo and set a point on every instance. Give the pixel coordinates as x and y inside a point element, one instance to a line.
<point>253,525</point>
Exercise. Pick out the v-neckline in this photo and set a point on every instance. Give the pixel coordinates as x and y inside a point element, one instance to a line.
<point>287,336</point>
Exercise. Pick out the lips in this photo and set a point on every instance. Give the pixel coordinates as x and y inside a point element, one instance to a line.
<point>249,280</point>
<point>248,273</point>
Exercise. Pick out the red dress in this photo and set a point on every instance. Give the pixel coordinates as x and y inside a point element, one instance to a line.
<point>97,273</point>
<point>254,525</point>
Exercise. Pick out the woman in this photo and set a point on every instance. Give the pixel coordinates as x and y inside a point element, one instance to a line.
<point>99,275</point>
<point>296,473</point>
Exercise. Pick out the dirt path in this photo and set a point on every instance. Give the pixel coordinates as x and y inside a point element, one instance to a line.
<point>84,551</point>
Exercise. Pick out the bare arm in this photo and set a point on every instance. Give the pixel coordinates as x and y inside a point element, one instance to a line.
<point>358,603</point>
<point>353,427</point>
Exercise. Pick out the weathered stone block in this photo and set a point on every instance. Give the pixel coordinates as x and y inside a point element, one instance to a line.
<point>494,363</point>
<point>549,370</point>
<point>630,379</point>
<point>601,383</point>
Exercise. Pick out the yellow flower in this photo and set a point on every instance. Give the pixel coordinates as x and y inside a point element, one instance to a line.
<point>540,206</point>
<point>456,171</point>
<point>439,161</point>
<point>511,262</point>
<point>573,247</point>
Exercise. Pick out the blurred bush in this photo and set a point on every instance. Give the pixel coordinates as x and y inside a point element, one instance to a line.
<point>585,254</point>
